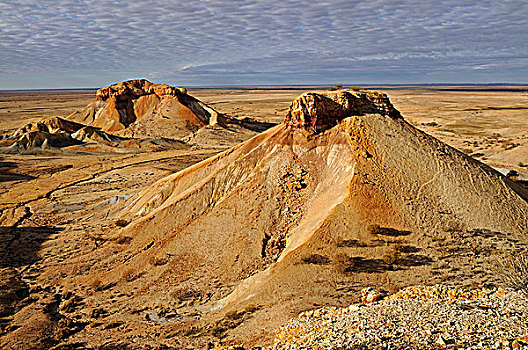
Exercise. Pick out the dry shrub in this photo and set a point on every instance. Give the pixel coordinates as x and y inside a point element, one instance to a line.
<point>512,269</point>
<point>343,263</point>
<point>191,331</point>
<point>350,243</point>
<point>96,284</point>
<point>158,261</point>
<point>129,275</point>
<point>454,226</point>
<point>185,294</point>
<point>393,254</point>
<point>65,327</point>
<point>335,87</point>
<point>69,305</point>
<point>316,259</point>
<point>355,88</point>
<point>232,320</point>
<point>398,247</point>
<point>386,231</point>
<point>123,240</point>
<point>121,223</point>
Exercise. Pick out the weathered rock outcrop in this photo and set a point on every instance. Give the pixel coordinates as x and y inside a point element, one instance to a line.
<point>58,133</point>
<point>141,109</point>
<point>48,132</point>
<point>318,112</point>
<point>127,90</point>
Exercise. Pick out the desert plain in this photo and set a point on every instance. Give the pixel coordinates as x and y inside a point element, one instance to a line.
<point>68,271</point>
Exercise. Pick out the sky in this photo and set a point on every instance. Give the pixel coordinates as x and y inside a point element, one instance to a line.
<point>92,43</point>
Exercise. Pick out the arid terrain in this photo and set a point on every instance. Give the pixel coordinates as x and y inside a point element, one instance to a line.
<point>214,216</point>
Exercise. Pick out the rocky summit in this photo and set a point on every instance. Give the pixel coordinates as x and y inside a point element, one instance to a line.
<point>139,109</point>
<point>317,112</point>
<point>131,89</point>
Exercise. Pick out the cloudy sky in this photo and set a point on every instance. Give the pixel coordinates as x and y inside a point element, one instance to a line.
<point>91,43</point>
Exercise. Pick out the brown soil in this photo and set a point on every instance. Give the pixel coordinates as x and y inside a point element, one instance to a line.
<point>231,248</point>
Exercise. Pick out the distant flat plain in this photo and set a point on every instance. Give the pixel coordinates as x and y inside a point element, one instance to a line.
<point>489,123</point>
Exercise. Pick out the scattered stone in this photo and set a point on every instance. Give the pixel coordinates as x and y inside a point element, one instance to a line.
<point>419,317</point>
<point>370,295</point>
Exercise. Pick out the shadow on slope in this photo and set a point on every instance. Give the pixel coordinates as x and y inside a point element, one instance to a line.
<point>19,245</point>
<point>7,175</point>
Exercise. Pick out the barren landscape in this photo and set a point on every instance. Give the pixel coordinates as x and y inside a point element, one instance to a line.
<point>149,216</point>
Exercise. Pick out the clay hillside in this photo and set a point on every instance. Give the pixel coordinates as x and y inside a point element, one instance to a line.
<point>135,115</point>
<point>141,109</point>
<point>342,195</point>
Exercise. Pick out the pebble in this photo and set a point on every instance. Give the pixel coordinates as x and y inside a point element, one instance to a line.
<point>418,317</point>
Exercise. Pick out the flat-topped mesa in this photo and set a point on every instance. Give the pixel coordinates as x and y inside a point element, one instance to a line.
<point>141,109</point>
<point>319,111</point>
<point>131,89</point>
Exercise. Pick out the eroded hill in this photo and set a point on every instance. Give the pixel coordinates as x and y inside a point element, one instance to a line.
<point>135,115</point>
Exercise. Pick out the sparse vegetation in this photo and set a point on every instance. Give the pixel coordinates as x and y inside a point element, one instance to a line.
<point>512,268</point>
<point>316,259</point>
<point>186,294</point>
<point>512,174</point>
<point>158,261</point>
<point>386,231</point>
<point>69,305</point>
<point>393,254</point>
<point>121,223</point>
<point>433,124</point>
<point>191,331</point>
<point>350,243</point>
<point>335,87</point>
<point>98,313</point>
<point>454,226</point>
<point>344,263</point>
<point>232,320</point>
<point>129,275</point>
<point>96,284</point>
<point>66,327</point>
<point>123,239</point>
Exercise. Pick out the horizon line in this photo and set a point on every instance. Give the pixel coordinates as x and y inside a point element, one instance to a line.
<point>292,86</point>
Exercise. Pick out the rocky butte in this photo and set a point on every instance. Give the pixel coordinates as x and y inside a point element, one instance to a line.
<point>342,195</point>
<point>139,108</point>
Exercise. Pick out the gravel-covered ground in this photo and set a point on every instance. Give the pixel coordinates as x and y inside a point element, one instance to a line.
<point>416,318</point>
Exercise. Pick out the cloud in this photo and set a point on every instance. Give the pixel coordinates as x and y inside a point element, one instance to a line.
<point>261,41</point>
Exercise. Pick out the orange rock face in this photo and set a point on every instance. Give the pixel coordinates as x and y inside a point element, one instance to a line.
<point>141,109</point>
<point>317,112</point>
<point>130,89</point>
